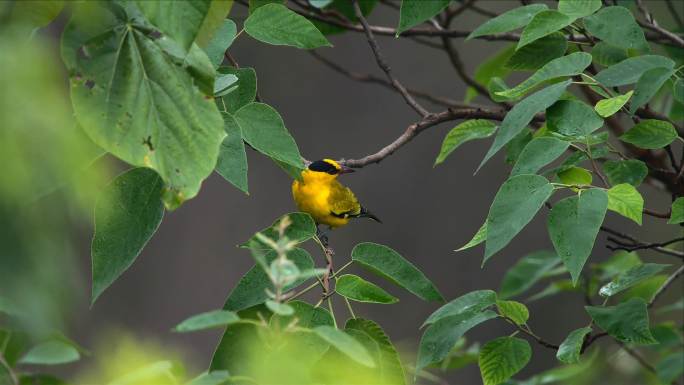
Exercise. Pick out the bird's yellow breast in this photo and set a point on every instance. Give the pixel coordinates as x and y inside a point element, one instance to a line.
<point>312,196</point>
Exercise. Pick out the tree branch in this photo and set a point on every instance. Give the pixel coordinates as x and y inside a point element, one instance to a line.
<point>653,26</point>
<point>382,63</point>
<point>666,284</point>
<point>633,244</point>
<point>416,128</point>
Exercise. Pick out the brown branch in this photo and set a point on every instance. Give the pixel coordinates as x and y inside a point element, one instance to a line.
<point>653,26</point>
<point>528,332</point>
<point>368,78</point>
<point>382,63</point>
<point>416,128</point>
<point>316,14</point>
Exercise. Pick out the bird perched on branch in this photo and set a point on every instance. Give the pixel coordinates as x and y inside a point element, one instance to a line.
<point>319,194</point>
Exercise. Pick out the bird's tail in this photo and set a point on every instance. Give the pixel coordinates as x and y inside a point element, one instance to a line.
<point>367,214</point>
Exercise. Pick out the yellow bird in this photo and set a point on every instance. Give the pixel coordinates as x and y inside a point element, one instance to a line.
<point>324,198</point>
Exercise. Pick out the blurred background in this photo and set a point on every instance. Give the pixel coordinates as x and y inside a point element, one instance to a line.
<point>192,263</point>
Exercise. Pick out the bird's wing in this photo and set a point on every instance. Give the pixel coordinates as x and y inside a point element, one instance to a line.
<point>342,201</point>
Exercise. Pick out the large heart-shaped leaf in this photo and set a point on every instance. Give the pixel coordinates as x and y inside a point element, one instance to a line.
<point>138,96</point>
<point>616,26</point>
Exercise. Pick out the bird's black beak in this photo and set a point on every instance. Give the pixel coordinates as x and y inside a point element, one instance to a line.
<point>346,170</point>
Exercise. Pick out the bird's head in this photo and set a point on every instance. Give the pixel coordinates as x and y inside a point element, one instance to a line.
<point>326,169</point>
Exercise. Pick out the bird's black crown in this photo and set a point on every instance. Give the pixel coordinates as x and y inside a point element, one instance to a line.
<point>323,166</point>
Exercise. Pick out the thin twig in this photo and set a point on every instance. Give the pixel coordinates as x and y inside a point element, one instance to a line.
<point>382,63</point>
<point>529,332</point>
<point>651,24</point>
<point>416,128</point>
<point>635,244</point>
<point>641,360</point>
<point>678,273</point>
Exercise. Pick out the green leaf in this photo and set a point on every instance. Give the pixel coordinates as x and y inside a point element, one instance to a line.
<point>569,65</point>
<point>649,83</point>
<point>522,114</point>
<point>632,171</point>
<point>630,278</point>
<point>479,237</point>
<point>502,358</point>
<point>575,176</point>
<point>38,14</point>
<point>276,24</point>
<point>464,132</point>
<point>473,302</point>
<point>618,263</point>
<point>678,90</point>
<point>573,225</point>
<point>670,368</point>
<point>251,289</point>
<point>237,340</point>
<point>514,310</point>
<point>607,55</point>
<point>217,377</point>
<point>232,160</point>
<point>300,230</point>
<point>538,153</point>
<point>626,322</point>
<point>182,22</point>
<point>441,336</point>
<point>127,214</point>
<point>208,320</point>
<point>144,100</point>
<point>526,272</point>
<point>356,288</point>
<point>490,68</point>
<point>218,45</point>
<point>246,92</point>
<point>508,21</point>
<point>572,118</point>
<point>52,352</point>
<point>625,200</point>
<point>608,107</point>
<point>616,26</point>
<point>263,128</point>
<point>345,8</point>
<point>514,206</point>
<point>677,212</point>
<point>389,362</point>
<point>650,134</point>
<point>388,264</point>
<point>542,24</point>
<point>630,70</point>
<point>569,350</point>
<point>414,12</point>
<point>578,8</point>
<point>535,55</point>
<point>345,344</point>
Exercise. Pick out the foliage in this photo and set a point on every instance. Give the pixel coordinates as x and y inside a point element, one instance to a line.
<point>595,119</point>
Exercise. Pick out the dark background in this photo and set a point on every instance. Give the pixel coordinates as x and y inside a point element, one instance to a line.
<point>192,263</point>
